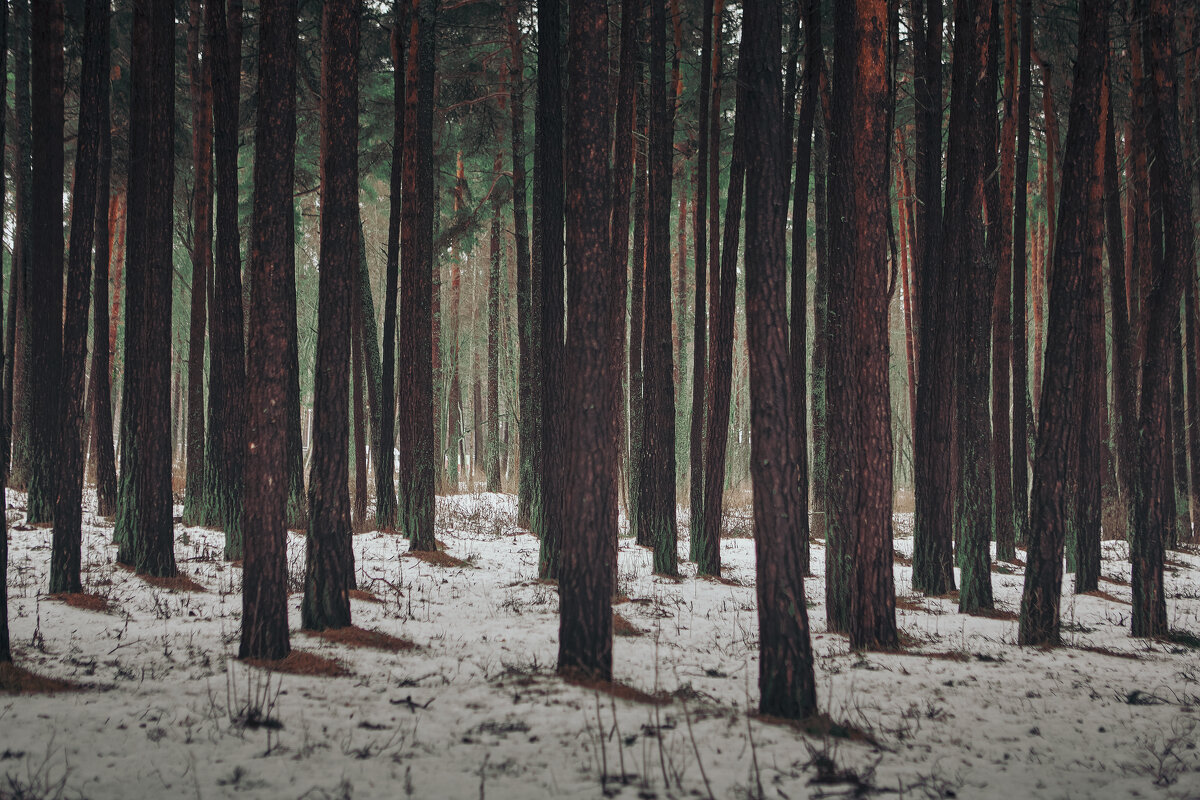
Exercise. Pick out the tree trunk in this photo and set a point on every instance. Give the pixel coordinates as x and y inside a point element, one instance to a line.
<point>329,551</point>
<point>201,99</point>
<point>785,677</point>
<point>1179,486</point>
<point>224,452</point>
<point>144,525</point>
<point>656,506</point>
<point>1059,423</point>
<point>493,357</point>
<point>700,320</point>
<point>385,487</point>
<point>358,509</point>
<point>860,441</point>
<point>529,487</point>
<point>264,575</point>
<point>46,272</point>
<point>19,392</point>
<point>820,354</point>
<point>933,561</point>
<point>66,554</point>
<point>587,569</point>
<point>548,224</point>
<point>637,318</point>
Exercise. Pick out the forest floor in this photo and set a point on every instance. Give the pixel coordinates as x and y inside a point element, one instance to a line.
<point>458,697</point>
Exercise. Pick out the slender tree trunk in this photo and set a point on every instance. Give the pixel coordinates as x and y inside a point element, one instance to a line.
<point>5,649</point>
<point>18,408</point>
<point>656,506</point>
<point>529,487</point>
<point>329,551</point>
<point>358,508</point>
<point>548,226</point>
<point>933,561</point>
<point>785,677</point>
<point>385,487</point>
<point>264,577</point>
<point>201,99</point>
<point>224,452</point>
<point>144,525</point>
<point>418,457</point>
<point>587,569</point>
<point>1059,423</point>
<point>700,326</point>
<point>637,318</point>
<point>493,357</point>
<point>66,555</point>
<point>820,355</point>
<point>46,272</point>
<point>1179,486</point>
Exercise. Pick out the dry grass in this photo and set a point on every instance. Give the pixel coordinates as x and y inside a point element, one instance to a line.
<point>620,691</point>
<point>17,680</point>
<point>911,602</point>
<point>366,597</point>
<point>1103,595</point>
<point>438,558</point>
<point>623,627</point>
<point>83,600</point>
<point>299,662</point>
<point>179,583</point>
<point>354,636</point>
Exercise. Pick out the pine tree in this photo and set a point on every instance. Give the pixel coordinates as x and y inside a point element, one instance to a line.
<point>264,576</point>
<point>328,567</point>
<point>144,523</point>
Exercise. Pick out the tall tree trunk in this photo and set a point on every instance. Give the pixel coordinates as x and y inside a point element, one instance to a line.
<point>46,271</point>
<point>1179,486</point>
<point>860,441</point>
<point>970,160</point>
<point>493,356</point>
<point>700,321</point>
<point>144,525</point>
<point>1059,423</point>
<point>358,508</point>
<point>933,561</point>
<point>264,576</point>
<point>786,684</point>
<point>587,569</point>
<point>656,506</point>
<point>66,554</point>
<point>224,452</point>
<point>548,225</point>
<point>637,319</point>
<point>5,649</point>
<point>1020,350</point>
<point>1002,309</point>
<point>385,487</point>
<point>201,100</point>
<point>529,487</point>
<point>329,551</point>
<point>418,457</point>
<point>820,355</point>
<point>19,397</point>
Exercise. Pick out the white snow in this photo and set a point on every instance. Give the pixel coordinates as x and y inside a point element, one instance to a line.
<point>476,710</point>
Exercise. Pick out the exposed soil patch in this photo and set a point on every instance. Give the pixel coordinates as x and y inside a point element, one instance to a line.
<point>996,613</point>
<point>366,597</point>
<point>88,602</point>
<point>1103,595</point>
<point>623,627</point>
<point>17,680</point>
<point>1105,651</point>
<point>180,583</point>
<point>621,691</point>
<point>721,579</point>
<point>299,662</point>
<point>354,636</point>
<point>438,558</point>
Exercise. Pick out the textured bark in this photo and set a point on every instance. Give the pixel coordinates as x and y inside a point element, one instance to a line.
<point>1059,423</point>
<point>860,441</point>
<point>358,508</point>
<point>798,316</point>
<point>224,452</point>
<point>19,393</point>
<point>46,267</point>
<point>1002,308</point>
<point>201,100</point>
<point>720,355</point>
<point>933,563</point>
<point>327,574</point>
<point>264,576</point>
<point>103,459</point>
<point>548,225</point>
<point>820,354</point>
<point>492,465</point>
<point>637,319</point>
<point>385,487</point>
<point>970,160</point>
<point>1178,439</point>
<point>656,505</point>
<point>5,648</point>
<point>785,675</point>
<point>700,318</point>
<point>587,570</point>
<point>65,556</point>
<point>144,525</point>
<point>1020,350</point>
<point>529,487</point>
<point>416,434</point>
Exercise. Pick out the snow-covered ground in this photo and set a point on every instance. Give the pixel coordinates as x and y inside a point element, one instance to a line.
<point>475,710</point>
